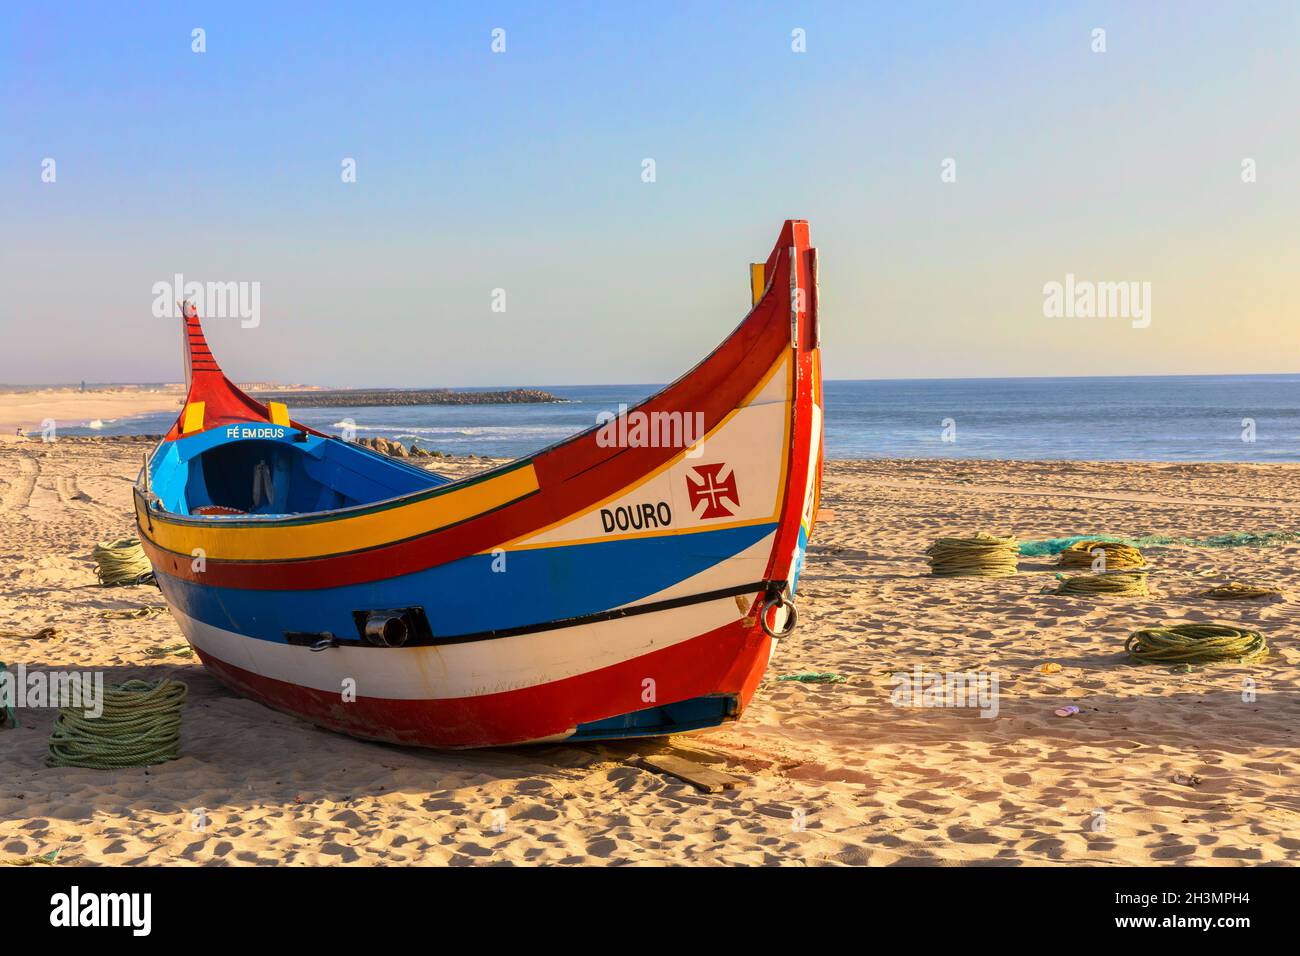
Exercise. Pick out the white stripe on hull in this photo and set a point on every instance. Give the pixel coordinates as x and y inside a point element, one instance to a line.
<point>495,665</point>
<point>472,669</point>
<point>751,446</point>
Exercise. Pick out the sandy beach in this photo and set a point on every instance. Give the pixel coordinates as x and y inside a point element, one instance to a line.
<point>72,407</point>
<point>1157,766</point>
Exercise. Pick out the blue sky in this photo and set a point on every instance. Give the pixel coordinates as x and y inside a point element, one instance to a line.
<point>522,171</point>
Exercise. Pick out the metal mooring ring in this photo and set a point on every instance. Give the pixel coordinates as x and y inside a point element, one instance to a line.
<point>791,621</point>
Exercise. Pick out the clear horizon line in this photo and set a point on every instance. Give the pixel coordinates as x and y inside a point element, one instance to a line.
<point>5,386</point>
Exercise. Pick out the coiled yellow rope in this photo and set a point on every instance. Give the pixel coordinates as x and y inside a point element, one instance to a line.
<point>984,556</point>
<point>816,677</point>
<point>1196,644</point>
<point>1131,583</point>
<point>132,613</point>
<point>1239,592</point>
<point>1119,557</point>
<point>121,562</point>
<point>42,859</point>
<point>140,725</point>
<point>8,716</point>
<point>180,650</point>
<point>44,634</point>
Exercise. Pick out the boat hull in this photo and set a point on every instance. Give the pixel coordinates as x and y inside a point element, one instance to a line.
<point>614,585</point>
<point>410,706</point>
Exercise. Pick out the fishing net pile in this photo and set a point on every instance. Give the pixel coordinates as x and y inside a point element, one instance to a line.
<point>1239,539</point>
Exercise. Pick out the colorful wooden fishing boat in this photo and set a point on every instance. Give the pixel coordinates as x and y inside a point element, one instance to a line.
<point>629,581</point>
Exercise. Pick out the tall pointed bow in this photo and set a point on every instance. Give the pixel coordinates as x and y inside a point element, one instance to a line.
<point>805,448</point>
<point>211,399</point>
<point>611,585</point>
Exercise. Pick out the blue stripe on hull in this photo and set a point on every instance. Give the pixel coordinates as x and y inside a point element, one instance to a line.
<point>468,596</point>
<point>799,559</point>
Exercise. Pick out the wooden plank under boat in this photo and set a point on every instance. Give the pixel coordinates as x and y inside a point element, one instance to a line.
<point>628,581</point>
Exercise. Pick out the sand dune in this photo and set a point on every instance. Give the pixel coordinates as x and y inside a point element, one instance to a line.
<point>1157,767</point>
<point>71,407</point>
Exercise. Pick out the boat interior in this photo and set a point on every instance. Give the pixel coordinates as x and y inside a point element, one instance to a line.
<point>300,473</point>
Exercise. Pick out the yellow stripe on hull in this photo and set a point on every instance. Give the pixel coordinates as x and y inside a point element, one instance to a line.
<point>279,541</point>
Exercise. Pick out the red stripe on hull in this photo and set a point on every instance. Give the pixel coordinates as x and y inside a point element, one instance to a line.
<point>576,474</point>
<point>787,535</point>
<point>728,660</point>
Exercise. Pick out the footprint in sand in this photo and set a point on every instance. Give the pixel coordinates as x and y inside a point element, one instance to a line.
<point>19,493</point>
<point>69,492</point>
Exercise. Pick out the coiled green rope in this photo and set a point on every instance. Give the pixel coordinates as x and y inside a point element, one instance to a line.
<point>1196,644</point>
<point>984,556</point>
<point>122,562</point>
<point>140,725</point>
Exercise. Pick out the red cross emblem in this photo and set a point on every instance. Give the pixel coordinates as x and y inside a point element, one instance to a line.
<point>712,489</point>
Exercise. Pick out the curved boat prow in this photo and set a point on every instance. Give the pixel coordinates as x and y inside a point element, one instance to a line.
<point>628,581</point>
<point>211,399</point>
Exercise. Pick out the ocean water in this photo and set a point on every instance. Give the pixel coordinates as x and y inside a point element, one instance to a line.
<point>1165,418</point>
